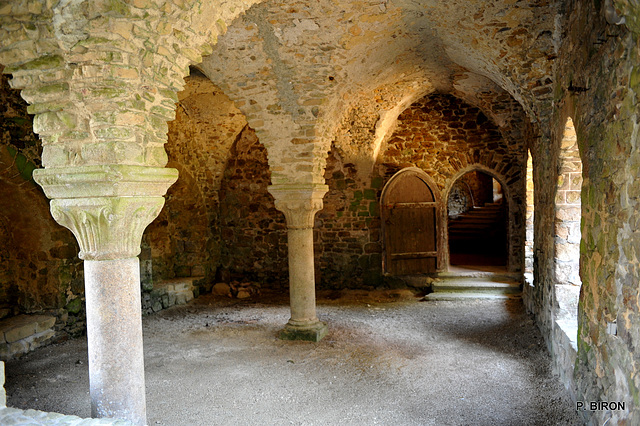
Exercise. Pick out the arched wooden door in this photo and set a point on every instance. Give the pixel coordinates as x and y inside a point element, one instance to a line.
<point>409,213</point>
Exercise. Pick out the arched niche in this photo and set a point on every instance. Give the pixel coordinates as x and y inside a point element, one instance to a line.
<point>412,224</point>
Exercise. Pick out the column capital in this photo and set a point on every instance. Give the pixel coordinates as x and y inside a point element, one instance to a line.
<point>107,207</point>
<point>107,228</point>
<point>299,203</point>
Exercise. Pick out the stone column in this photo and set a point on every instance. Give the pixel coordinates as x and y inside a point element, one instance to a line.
<point>107,208</point>
<point>299,205</point>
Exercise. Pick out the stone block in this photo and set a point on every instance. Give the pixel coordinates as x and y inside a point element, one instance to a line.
<point>180,298</point>
<point>45,323</point>
<point>312,333</point>
<point>179,286</point>
<point>39,339</point>
<point>18,348</point>
<point>4,351</point>
<point>221,289</point>
<point>171,299</point>
<point>158,292</point>
<point>243,294</point>
<point>18,328</point>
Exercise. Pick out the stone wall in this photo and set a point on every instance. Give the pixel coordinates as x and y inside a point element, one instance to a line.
<point>460,199</point>
<point>598,86</point>
<point>349,241</point>
<point>440,134</point>
<point>474,189</point>
<point>40,270</point>
<point>253,244</point>
<point>184,241</point>
<point>447,138</point>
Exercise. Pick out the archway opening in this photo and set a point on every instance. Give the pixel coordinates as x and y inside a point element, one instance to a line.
<point>529,213</point>
<point>567,232</point>
<point>477,213</point>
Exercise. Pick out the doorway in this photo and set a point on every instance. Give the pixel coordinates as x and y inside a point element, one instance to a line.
<point>477,225</point>
<point>410,210</point>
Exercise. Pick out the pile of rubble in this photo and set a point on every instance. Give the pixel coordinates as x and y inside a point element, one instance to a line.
<point>237,289</point>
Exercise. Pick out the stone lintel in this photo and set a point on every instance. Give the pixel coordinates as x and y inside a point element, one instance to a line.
<point>310,332</point>
<point>299,203</point>
<point>110,180</point>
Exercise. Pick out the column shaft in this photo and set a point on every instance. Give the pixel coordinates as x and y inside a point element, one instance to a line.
<point>302,290</point>
<point>114,333</point>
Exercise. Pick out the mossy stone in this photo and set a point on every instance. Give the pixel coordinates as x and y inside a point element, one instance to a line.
<point>75,306</point>
<point>369,194</point>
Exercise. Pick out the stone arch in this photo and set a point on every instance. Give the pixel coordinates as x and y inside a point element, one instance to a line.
<point>434,218</point>
<point>511,261</point>
<point>253,235</point>
<point>199,145</point>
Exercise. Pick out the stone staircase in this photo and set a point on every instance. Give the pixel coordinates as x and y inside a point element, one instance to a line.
<point>477,224</point>
<point>475,285</point>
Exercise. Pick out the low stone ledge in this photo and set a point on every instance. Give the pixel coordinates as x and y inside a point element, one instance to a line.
<point>24,333</point>
<point>165,294</point>
<point>565,352</point>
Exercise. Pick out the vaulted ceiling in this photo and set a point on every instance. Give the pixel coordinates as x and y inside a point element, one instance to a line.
<point>340,64</point>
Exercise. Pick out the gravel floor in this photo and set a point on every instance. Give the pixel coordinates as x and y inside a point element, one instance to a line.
<point>389,359</point>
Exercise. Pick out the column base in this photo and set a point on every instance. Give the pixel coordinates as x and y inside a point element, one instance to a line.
<point>311,332</point>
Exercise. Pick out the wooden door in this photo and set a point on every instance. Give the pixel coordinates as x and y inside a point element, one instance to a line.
<point>409,215</point>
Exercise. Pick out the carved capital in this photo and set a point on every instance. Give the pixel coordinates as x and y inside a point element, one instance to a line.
<point>107,207</point>
<point>299,203</point>
<point>107,228</point>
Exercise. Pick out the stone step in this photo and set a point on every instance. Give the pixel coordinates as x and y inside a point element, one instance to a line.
<point>480,276</point>
<point>469,226</point>
<point>475,285</point>
<point>490,211</point>
<point>474,217</point>
<point>469,296</point>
